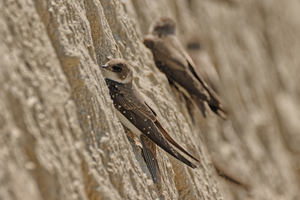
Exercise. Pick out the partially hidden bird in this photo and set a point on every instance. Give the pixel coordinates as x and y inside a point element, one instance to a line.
<point>196,48</point>
<point>172,59</point>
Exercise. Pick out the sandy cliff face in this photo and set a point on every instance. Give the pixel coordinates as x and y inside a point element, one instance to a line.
<point>60,138</point>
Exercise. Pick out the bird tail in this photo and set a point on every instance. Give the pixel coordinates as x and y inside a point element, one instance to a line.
<point>201,105</point>
<point>172,141</point>
<point>219,111</point>
<point>149,152</point>
<point>214,106</point>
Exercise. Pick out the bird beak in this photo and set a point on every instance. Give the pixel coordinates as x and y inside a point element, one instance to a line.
<point>104,66</point>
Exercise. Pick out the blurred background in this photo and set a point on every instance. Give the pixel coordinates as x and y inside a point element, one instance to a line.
<point>248,52</point>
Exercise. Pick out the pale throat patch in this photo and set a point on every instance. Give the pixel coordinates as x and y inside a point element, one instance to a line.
<point>115,77</point>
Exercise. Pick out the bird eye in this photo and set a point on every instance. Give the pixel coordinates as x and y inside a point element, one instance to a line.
<point>117,69</point>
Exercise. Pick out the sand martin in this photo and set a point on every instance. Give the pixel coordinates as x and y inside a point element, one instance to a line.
<point>204,65</point>
<point>171,58</point>
<point>135,114</point>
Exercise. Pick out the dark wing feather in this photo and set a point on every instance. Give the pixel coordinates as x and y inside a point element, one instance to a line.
<point>142,117</point>
<point>200,104</point>
<point>172,141</point>
<point>149,151</point>
<point>213,100</point>
<point>171,61</point>
<point>169,137</point>
<point>190,66</point>
<point>168,51</point>
<point>149,129</point>
<point>130,99</point>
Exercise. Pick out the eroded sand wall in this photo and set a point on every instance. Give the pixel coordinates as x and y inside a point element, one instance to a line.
<point>60,138</point>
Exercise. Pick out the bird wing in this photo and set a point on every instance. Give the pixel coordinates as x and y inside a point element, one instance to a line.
<point>213,101</point>
<point>172,141</point>
<point>149,151</point>
<point>131,100</point>
<point>170,60</point>
<point>142,117</point>
<point>173,60</point>
<point>169,137</point>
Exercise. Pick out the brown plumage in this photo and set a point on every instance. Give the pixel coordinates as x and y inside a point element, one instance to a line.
<point>171,58</point>
<point>135,114</point>
<point>204,65</point>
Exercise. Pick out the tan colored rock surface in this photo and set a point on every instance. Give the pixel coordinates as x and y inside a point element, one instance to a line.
<point>59,135</point>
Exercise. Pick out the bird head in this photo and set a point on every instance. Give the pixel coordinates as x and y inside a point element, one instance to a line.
<point>118,70</point>
<point>162,25</point>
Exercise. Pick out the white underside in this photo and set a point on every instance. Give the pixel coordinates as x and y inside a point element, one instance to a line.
<point>138,133</point>
<point>127,123</point>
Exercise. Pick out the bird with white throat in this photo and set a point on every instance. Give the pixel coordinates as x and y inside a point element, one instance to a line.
<point>135,114</point>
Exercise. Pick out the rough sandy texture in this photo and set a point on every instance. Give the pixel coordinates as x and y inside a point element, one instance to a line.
<point>59,135</point>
